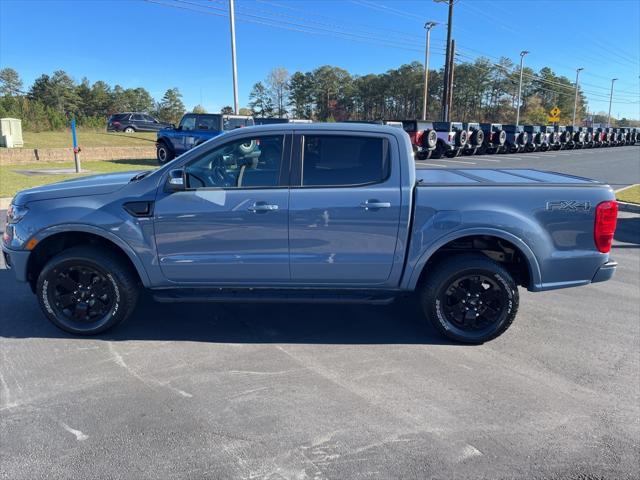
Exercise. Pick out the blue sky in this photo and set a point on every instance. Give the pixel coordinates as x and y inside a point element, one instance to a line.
<point>138,43</point>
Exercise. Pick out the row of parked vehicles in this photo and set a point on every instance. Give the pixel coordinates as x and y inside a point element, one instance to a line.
<point>429,139</point>
<point>451,139</point>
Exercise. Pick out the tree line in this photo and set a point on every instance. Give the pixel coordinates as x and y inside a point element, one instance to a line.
<point>53,100</point>
<point>483,91</point>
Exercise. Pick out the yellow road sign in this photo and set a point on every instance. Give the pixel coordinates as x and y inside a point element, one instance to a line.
<point>553,119</point>
<point>555,112</point>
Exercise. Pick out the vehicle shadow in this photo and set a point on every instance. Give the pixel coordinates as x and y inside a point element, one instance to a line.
<point>628,231</point>
<point>151,162</point>
<point>398,323</point>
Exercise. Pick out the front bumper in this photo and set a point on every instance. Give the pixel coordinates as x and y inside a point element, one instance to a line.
<point>605,272</point>
<point>16,260</point>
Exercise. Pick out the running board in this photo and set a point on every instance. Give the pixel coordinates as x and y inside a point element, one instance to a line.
<point>257,295</point>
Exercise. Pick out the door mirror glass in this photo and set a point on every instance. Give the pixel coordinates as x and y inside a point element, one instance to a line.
<point>175,181</point>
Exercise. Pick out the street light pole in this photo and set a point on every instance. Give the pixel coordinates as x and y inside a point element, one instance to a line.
<point>232,20</point>
<point>522,55</point>
<point>428,26</point>
<point>575,102</point>
<point>610,99</point>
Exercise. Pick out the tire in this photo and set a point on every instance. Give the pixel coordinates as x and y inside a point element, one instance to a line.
<point>477,284</point>
<point>129,130</point>
<point>438,152</point>
<point>430,139</point>
<point>163,153</point>
<point>106,276</point>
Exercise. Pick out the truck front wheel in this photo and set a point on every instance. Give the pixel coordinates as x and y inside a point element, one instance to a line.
<point>163,153</point>
<point>87,290</point>
<point>469,298</point>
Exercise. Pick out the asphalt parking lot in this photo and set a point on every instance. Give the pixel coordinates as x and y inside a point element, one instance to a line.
<point>299,391</point>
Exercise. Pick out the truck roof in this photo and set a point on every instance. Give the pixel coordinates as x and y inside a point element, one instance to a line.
<point>333,126</point>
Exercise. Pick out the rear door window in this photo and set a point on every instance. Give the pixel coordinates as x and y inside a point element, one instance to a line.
<point>209,122</point>
<point>337,160</point>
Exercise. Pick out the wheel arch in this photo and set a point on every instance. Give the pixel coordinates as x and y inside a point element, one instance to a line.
<point>57,239</point>
<point>527,255</point>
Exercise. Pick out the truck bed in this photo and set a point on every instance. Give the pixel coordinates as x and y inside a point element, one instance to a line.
<point>494,177</point>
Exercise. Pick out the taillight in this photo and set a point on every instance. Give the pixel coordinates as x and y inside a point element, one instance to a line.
<point>419,135</point>
<point>605,226</point>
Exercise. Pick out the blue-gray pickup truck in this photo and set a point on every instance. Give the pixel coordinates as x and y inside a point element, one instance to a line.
<point>310,213</point>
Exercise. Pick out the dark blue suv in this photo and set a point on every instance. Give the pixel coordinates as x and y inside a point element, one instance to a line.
<point>193,130</point>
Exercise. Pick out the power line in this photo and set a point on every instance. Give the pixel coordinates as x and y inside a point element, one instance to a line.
<point>301,28</point>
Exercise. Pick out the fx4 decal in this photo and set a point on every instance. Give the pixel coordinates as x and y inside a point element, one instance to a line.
<point>569,206</point>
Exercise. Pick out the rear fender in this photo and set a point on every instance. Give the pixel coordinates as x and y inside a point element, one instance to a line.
<point>414,269</point>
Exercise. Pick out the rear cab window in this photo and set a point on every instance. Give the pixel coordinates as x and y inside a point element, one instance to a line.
<point>341,160</point>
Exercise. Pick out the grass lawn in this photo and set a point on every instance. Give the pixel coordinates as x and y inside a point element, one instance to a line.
<point>88,138</point>
<point>11,181</point>
<point>630,195</point>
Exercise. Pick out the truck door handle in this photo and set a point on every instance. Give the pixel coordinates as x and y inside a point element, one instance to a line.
<point>260,207</point>
<point>374,205</point>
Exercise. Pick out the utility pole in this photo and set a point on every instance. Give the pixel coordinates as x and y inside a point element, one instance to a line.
<point>610,99</point>
<point>447,63</point>
<point>575,102</point>
<point>452,68</point>
<point>232,19</point>
<point>522,55</point>
<point>428,26</point>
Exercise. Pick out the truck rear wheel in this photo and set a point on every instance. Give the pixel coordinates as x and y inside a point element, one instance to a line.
<point>87,290</point>
<point>469,298</point>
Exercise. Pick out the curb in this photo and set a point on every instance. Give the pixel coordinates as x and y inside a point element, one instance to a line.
<point>628,207</point>
<point>4,203</point>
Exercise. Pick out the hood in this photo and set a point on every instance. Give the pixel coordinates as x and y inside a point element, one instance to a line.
<point>76,187</point>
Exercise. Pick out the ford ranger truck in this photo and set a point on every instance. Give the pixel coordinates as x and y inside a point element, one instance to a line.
<point>309,213</point>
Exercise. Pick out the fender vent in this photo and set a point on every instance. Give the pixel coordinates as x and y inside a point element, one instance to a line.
<point>139,209</point>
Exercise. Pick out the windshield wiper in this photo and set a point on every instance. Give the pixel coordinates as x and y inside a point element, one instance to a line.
<point>140,176</point>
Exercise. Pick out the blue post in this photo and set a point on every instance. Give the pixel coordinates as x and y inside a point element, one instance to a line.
<point>76,150</point>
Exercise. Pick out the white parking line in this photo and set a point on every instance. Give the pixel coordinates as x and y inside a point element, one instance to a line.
<point>430,164</point>
<point>457,161</point>
<point>486,159</point>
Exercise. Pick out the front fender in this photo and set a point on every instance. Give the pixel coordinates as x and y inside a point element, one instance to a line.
<point>100,232</point>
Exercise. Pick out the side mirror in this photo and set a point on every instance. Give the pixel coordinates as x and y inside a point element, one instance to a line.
<point>176,181</point>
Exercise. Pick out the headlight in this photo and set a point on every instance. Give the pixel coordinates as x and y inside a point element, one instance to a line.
<point>15,213</point>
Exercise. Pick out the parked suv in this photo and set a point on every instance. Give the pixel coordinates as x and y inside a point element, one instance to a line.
<point>553,138</point>
<point>423,137</point>
<point>193,130</point>
<point>451,139</point>
<point>494,138</point>
<point>537,138</point>
<point>516,138</point>
<point>475,137</point>
<point>134,122</point>
<point>577,136</point>
<point>566,141</point>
